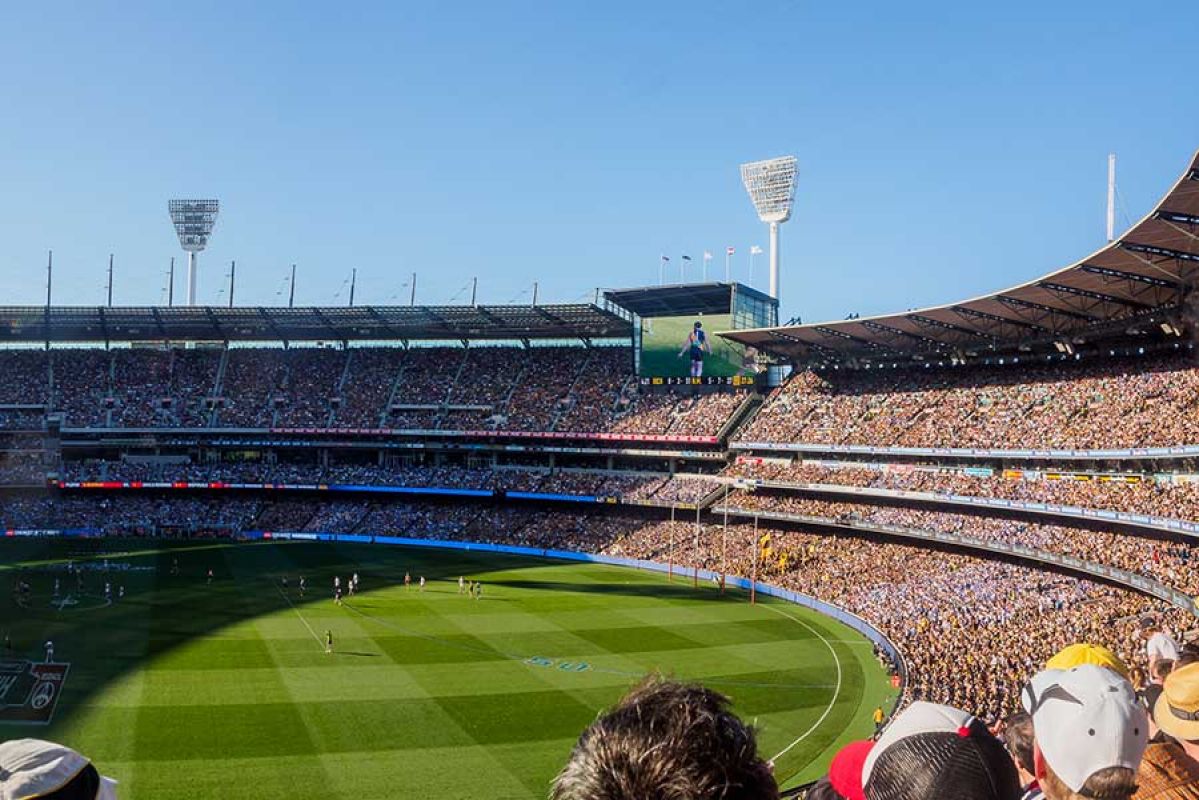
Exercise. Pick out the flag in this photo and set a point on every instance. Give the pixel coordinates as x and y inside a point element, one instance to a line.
<point>686,258</point>
<point>665,258</point>
<point>730,251</point>
<point>707,256</point>
<point>755,250</point>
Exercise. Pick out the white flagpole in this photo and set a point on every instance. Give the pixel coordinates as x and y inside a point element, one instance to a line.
<point>728,270</point>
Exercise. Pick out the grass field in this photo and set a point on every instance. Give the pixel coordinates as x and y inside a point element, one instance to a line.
<point>186,690</point>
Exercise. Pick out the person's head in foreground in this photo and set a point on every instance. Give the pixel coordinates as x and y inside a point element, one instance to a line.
<point>1089,733</point>
<point>31,768</point>
<point>1018,739</point>
<point>1176,710</point>
<point>667,741</point>
<point>1078,654</point>
<point>935,752</point>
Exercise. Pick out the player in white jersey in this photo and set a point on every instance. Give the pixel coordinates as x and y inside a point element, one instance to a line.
<point>461,585</point>
<point>422,583</point>
<point>49,651</point>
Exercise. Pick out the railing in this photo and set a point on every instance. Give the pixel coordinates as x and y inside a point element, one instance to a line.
<point>1132,580</point>
<point>1179,451</point>
<point>1149,521</point>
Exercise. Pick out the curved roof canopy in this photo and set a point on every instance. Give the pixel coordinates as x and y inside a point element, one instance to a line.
<point>337,323</point>
<point>1142,276</point>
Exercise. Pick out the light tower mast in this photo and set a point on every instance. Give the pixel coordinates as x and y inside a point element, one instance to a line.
<point>771,187</point>
<point>193,220</point>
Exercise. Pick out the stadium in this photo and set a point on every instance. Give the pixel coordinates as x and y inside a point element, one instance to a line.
<point>651,542</point>
<point>171,474</point>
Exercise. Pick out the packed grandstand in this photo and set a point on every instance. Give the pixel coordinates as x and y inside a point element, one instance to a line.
<point>984,483</point>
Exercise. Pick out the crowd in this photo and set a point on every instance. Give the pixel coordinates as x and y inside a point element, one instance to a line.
<point>1134,494</point>
<point>1146,402</point>
<point>559,388</point>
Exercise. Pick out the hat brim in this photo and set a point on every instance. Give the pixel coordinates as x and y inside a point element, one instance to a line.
<point>1164,718</point>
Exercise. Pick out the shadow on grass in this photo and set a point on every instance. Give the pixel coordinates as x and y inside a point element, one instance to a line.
<point>170,603</point>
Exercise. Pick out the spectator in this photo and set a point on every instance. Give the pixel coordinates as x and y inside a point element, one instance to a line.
<point>31,768</point>
<point>1018,739</point>
<point>1076,655</point>
<point>1089,733</point>
<point>845,770</point>
<point>1159,646</point>
<point>935,752</point>
<point>1176,711</point>
<point>667,741</point>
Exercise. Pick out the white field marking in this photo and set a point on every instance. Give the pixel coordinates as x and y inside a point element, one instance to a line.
<point>836,690</point>
<point>301,616</point>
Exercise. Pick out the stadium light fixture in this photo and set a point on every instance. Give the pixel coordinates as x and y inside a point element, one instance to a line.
<point>771,187</point>
<point>193,221</point>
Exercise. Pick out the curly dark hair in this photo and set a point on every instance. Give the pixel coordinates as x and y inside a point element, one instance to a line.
<point>667,741</point>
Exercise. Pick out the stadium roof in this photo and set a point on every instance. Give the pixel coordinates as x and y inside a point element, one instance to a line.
<point>1141,277</point>
<point>682,298</point>
<point>341,323</point>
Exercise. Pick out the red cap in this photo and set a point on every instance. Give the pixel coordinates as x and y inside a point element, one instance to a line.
<point>845,771</point>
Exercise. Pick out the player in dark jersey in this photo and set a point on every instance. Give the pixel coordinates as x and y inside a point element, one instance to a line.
<point>696,345</point>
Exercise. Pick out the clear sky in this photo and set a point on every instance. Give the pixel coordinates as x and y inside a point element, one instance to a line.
<point>945,149</point>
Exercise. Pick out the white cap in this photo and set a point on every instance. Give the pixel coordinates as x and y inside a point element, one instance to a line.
<point>32,768</point>
<point>1085,719</point>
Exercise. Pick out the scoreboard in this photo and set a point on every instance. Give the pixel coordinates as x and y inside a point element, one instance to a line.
<point>740,381</point>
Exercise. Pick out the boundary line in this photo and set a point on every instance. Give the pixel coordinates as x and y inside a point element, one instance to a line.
<point>836,691</point>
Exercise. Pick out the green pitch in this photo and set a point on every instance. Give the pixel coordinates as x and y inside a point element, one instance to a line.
<point>188,690</point>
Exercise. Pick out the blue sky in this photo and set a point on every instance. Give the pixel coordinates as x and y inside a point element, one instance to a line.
<point>945,149</point>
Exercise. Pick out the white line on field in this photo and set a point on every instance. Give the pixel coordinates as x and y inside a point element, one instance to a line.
<point>836,691</point>
<point>283,594</point>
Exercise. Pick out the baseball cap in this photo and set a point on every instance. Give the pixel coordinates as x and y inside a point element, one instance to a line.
<point>845,771</point>
<point>1085,719</point>
<point>1078,654</point>
<point>935,751</point>
<point>33,768</point>
<point>1177,708</point>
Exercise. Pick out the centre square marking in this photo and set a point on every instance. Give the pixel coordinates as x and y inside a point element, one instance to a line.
<point>29,691</point>
<point>565,666</point>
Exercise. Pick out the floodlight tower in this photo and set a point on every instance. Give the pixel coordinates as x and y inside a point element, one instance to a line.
<point>771,187</point>
<point>193,220</point>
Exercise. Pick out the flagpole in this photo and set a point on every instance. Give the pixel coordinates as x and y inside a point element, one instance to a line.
<point>728,275</point>
<point>753,582</point>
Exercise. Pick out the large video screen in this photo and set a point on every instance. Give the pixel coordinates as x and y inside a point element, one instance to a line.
<point>671,347</point>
